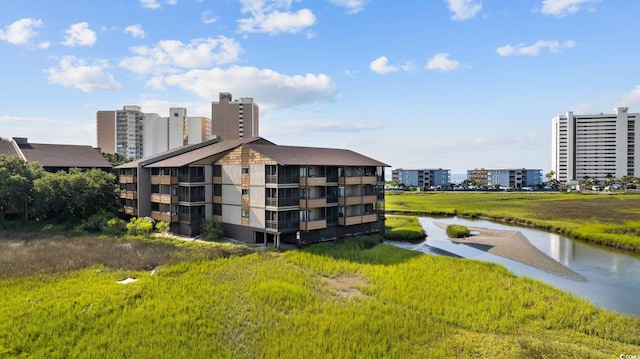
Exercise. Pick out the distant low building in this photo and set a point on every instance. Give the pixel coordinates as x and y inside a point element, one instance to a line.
<point>423,178</point>
<point>53,157</point>
<point>514,178</point>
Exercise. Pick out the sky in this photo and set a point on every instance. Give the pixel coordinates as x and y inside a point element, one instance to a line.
<point>454,84</point>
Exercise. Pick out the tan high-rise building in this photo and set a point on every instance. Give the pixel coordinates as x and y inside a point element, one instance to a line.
<point>121,131</point>
<point>234,119</point>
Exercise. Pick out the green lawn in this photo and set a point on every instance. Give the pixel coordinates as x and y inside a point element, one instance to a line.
<point>606,219</point>
<point>354,299</point>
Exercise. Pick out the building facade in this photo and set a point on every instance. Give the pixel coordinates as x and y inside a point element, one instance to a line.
<point>259,191</point>
<point>135,134</point>
<point>234,119</point>
<point>511,178</point>
<point>595,146</point>
<point>423,178</point>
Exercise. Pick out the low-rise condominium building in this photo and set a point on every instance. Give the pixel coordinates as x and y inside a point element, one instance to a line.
<point>259,191</point>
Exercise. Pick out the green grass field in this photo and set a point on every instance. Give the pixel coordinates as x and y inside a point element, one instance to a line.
<point>354,299</point>
<point>606,219</point>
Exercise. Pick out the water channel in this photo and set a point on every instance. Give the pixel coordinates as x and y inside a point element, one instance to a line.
<point>613,277</point>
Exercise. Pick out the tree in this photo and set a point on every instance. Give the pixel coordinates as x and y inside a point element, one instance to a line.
<point>211,230</point>
<point>16,183</point>
<point>116,159</point>
<point>74,196</point>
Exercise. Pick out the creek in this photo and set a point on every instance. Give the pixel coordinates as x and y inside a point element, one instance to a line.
<point>613,277</point>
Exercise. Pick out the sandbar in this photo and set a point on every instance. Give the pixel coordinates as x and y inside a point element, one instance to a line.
<point>515,246</point>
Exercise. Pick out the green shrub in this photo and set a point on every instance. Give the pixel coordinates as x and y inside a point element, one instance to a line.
<point>211,230</point>
<point>404,228</point>
<point>115,227</point>
<point>163,227</point>
<point>140,226</point>
<point>457,231</point>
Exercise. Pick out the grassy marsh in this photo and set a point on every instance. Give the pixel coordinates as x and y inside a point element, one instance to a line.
<point>606,219</point>
<point>357,298</point>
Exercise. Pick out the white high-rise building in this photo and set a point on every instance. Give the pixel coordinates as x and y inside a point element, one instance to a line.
<point>595,146</point>
<point>135,134</point>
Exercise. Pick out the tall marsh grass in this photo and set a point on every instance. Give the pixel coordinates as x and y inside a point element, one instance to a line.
<point>404,228</point>
<point>353,299</point>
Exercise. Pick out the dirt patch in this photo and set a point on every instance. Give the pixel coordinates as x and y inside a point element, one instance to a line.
<point>345,286</point>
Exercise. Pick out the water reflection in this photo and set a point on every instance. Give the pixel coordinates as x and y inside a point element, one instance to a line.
<point>613,277</point>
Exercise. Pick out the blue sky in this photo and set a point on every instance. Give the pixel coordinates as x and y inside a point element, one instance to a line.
<point>455,84</point>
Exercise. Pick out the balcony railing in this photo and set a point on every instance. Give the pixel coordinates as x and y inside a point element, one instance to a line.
<point>164,216</point>
<point>313,181</point>
<point>132,211</point>
<point>352,220</point>
<point>164,180</point>
<point>313,225</point>
<point>313,203</point>
<point>164,198</point>
<point>128,179</point>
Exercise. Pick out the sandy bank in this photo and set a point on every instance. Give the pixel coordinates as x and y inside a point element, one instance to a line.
<point>515,246</point>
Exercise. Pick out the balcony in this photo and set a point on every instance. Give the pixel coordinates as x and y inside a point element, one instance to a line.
<point>352,220</point>
<point>128,194</point>
<point>349,201</point>
<point>313,203</point>
<point>164,216</point>
<point>349,221</point>
<point>164,198</point>
<point>373,180</point>
<point>128,179</point>
<point>345,181</point>
<point>164,180</point>
<point>313,225</point>
<point>369,199</point>
<point>132,211</point>
<point>313,181</point>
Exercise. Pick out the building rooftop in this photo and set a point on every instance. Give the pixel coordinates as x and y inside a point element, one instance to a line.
<point>53,155</point>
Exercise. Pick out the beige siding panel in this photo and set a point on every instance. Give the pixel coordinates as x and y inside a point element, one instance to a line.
<point>232,174</point>
<point>256,172</point>
<point>231,214</point>
<point>231,194</point>
<point>257,196</point>
<point>256,217</point>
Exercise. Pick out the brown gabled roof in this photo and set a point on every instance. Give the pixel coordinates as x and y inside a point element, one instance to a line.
<point>294,155</point>
<point>217,150</point>
<point>50,155</point>
<point>7,149</point>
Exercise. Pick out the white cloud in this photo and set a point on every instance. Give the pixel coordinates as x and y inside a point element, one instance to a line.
<point>381,66</point>
<point>21,31</point>
<point>274,17</point>
<point>533,50</point>
<point>442,62</point>
<point>135,31</point>
<point>79,34</point>
<point>560,8</point>
<point>44,45</point>
<point>150,4</point>
<point>75,72</point>
<point>167,55</point>
<point>631,98</point>
<point>275,90</point>
<point>352,6</point>
<point>208,18</point>
<point>464,9</point>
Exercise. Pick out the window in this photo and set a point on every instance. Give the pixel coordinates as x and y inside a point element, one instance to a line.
<point>245,191</point>
<point>245,213</point>
<point>245,170</point>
